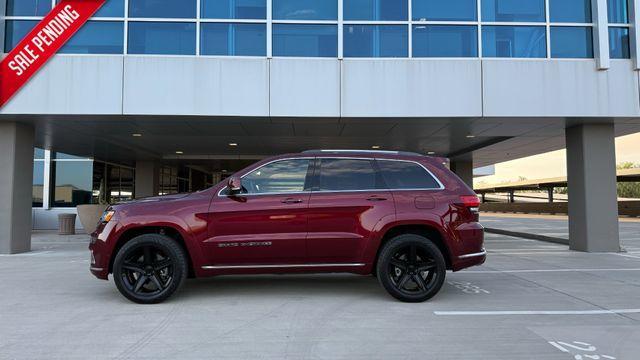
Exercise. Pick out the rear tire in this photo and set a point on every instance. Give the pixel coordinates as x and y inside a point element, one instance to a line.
<point>411,268</point>
<point>150,268</point>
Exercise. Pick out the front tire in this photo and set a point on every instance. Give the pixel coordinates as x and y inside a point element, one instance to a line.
<point>411,268</point>
<point>150,268</point>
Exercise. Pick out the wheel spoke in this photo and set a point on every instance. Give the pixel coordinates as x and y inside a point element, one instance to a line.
<point>426,265</point>
<point>413,257</point>
<point>419,281</point>
<point>157,281</point>
<point>403,281</point>
<point>161,264</point>
<point>140,283</point>
<point>399,264</point>
<point>133,267</point>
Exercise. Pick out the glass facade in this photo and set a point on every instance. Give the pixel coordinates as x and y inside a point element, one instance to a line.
<point>310,28</point>
<point>305,40</point>
<point>233,39</point>
<point>445,41</point>
<point>375,41</point>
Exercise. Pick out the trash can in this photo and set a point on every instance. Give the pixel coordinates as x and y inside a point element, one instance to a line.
<point>66,224</point>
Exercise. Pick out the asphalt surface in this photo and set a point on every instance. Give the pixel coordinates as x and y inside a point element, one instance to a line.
<point>531,300</point>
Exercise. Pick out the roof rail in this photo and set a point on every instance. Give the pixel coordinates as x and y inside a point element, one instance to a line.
<point>334,151</point>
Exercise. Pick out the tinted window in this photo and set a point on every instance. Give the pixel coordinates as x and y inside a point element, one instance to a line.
<point>111,8</point>
<point>38,184</point>
<point>445,41</point>
<point>375,10</point>
<point>618,11</point>
<point>233,39</point>
<point>571,42</point>
<point>305,9</point>
<point>513,10</point>
<point>514,41</point>
<point>162,38</point>
<point>234,9</point>
<point>73,183</point>
<point>16,30</point>
<point>286,176</point>
<point>443,10</point>
<point>346,174</point>
<point>619,43</point>
<point>305,40</point>
<point>97,37</point>
<point>578,11</point>
<point>28,7</point>
<point>401,175</point>
<point>375,41</point>
<point>162,8</point>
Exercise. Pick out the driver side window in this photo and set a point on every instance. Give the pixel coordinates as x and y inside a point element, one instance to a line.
<point>284,176</point>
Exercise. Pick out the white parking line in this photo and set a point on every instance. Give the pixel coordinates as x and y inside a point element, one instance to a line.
<point>32,253</point>
<point>536,312</point>
<point>543,271</point>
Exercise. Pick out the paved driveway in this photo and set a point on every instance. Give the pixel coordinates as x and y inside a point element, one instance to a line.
<point>532,300</point>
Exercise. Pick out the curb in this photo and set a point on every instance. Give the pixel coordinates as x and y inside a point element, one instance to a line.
<point>551,239</point>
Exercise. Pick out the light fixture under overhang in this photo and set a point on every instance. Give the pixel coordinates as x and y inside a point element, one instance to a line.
<point>233,144</point>
<point>375,147</point>
<point>136,135</point>
<point>179,152</point>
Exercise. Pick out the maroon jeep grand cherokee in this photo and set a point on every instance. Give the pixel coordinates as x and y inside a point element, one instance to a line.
<point>403,217</point>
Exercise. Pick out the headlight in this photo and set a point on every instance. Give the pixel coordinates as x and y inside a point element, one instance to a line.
<point>106,217</point>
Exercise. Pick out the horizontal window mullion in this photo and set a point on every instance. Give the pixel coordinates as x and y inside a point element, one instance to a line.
<point>501,23</point>
<point>239,21</point>
<point>170,20</point>
<point>435,22</point>
<point>302,22</point>
<point>368,22</point>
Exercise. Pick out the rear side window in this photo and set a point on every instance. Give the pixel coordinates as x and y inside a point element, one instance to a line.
<point>403,175</point>
<point>347,174</point>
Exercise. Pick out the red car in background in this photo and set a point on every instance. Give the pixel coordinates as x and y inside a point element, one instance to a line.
<point>403,217</point>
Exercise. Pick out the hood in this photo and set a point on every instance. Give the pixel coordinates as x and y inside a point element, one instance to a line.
<point>151,199</point>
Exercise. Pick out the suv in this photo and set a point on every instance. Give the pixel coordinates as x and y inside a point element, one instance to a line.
<point>403,217</point>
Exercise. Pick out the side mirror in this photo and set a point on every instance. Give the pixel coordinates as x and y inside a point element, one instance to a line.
<point>234,184</point>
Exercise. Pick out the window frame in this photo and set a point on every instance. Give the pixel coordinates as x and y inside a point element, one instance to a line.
<point>307,181</point>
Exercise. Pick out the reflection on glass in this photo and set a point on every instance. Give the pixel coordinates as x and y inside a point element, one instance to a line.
<point>513,10</point>
<point>514,41</point>
<point>286,176</point>
<point>375,41</point>
<point>618,11</point>
<point>570,11</point>
<point>15,31</point>
<point>38,184</point>
<point>162,8</point>
<point>233,9</point>
<point>111,8</point>
<point>405,175</point>
<point>571,42</point>
<point>233,39</point>
<point>444,10</point>
<point>347,174</point>
<point>162,38</point>
<point>72,183</point>
<point>445,41</point>
<point>305,9</point>
<point>619,43</point>
<point>385,10</point>
<point>28,7</point>
<point>305,40</point>
<point>38,153</point>
<point>97,37</point>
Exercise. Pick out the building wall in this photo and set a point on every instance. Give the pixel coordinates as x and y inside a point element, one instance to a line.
<point>209,86</point>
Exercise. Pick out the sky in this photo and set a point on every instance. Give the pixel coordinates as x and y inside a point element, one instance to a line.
<point>554,164</point>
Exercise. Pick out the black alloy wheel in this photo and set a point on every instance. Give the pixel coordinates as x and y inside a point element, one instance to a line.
<point>149,268</point>
<point>411,268</point>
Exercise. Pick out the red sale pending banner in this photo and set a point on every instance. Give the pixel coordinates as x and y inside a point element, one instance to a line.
<point>42,43</point>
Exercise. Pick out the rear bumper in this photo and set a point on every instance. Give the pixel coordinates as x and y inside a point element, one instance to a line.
<point>468,260</point>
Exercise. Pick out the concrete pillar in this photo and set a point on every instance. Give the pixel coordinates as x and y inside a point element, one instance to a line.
<point>16,187</point>
<point>147,179</point>
<point>464,170</point>
<point>591,175</point>
<point>550,194</point>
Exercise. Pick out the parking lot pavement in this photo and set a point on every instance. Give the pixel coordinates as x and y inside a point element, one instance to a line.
<point>558,226</point>
<point>531,300</point>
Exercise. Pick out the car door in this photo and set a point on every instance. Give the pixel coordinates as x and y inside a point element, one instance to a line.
<point>266,223</point>
<point>348,199</point>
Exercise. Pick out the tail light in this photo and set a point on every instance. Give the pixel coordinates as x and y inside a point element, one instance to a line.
<point>472,202</point>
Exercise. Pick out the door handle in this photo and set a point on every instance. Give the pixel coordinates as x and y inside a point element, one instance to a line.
<point>376,198</point>
<point>291,201</point>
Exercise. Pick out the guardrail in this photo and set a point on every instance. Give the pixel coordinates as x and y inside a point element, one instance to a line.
<point>625,208</point>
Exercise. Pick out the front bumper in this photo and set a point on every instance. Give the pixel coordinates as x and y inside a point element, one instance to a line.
<point>100,248</point>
